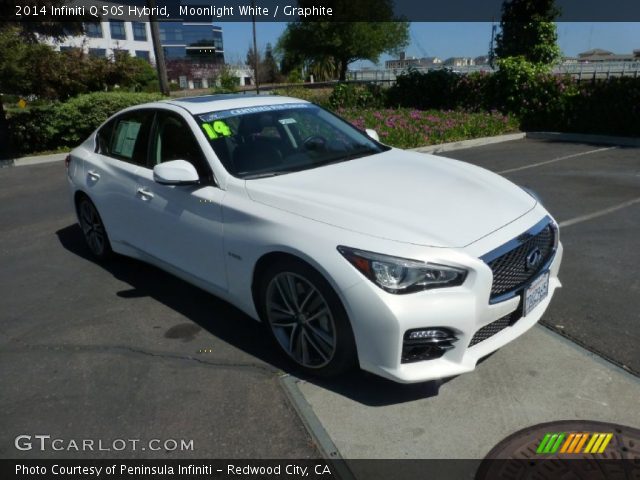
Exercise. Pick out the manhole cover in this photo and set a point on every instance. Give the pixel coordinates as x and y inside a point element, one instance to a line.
<point>568,450</point>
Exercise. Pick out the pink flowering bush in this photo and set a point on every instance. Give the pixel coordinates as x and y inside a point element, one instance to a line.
<point>410,128</point>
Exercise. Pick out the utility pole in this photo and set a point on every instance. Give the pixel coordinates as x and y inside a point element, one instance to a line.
<point>255,48</point>
<point>157,49</point>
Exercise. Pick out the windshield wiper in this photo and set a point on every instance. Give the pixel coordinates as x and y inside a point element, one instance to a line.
<point>262,175</point>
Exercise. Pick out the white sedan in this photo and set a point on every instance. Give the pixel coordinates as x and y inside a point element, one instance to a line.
<point>350,252</point>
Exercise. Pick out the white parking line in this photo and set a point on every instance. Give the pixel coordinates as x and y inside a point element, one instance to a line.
<point>599,213</point>
<point>553,160</point>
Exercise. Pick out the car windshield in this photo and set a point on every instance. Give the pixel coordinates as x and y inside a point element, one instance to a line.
<point>262,141</point>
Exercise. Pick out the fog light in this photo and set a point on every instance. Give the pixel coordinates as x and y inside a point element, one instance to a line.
<point>433,335</point>
<point>426,344</point>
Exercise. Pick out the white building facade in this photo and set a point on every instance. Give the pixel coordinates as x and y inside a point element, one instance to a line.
<point>104,38</point>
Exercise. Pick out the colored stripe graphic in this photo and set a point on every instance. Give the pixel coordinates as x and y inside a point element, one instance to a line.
<point>567,442</point>
<point>593,439</point>
<point>556,446</point>
<point>543,443</point>
<point>573,442</point>
<point>581,443</point>
<point>605,442</point>
<point>600,443</point>
<point>550,443</point>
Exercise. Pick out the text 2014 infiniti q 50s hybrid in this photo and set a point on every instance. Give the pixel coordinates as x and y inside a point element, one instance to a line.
<point>411,266</point>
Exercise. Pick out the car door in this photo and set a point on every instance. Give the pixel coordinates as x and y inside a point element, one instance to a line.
<point>181,225</point>
<point>111,172</point>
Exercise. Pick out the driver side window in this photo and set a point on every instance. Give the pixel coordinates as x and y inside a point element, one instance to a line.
<point>173,140</point>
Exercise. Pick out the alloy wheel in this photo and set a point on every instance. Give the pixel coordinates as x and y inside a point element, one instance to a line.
<point>92,228</point>
<point>301,320</point>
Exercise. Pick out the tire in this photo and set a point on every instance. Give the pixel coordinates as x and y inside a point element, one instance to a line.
<point>95,235</point>
<point>310,326</point>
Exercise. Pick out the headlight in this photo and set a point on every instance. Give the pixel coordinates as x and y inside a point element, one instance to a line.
<point>400,275</point>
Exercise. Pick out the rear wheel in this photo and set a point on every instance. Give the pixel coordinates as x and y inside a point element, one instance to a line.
<point>306,318</point>
<point>93,229</point>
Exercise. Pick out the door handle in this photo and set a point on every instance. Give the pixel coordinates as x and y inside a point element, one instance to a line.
<point>144,194</point>
<point>94,175</point>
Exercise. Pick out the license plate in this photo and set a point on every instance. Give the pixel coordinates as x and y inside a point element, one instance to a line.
<point>536,293</point>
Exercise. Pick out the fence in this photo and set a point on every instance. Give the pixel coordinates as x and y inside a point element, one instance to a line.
<point>581,71</point>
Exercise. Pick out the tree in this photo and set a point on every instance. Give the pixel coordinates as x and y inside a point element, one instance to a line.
<point>310,40</point>
<point>269,71</point>
<point>528,31</point>
<point>28,33</point>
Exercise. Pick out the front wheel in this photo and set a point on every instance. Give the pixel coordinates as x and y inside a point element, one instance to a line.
<point>307,319</point>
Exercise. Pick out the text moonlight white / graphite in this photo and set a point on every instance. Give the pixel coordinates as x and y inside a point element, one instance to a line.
<point>250,10</point>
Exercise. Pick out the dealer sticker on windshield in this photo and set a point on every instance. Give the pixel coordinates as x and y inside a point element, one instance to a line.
<point>536,293</point>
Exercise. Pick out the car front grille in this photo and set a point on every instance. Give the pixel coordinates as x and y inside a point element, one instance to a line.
<point>511,270</point>
<point>497,326</point>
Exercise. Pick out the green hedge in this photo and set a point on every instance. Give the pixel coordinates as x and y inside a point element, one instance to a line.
<point>540,100</point>
<point>67,124</point>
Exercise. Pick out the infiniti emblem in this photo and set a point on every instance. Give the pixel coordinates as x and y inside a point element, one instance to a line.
<point>533,259</point>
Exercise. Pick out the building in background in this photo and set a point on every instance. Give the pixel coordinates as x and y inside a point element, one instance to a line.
<point>104,38</point>
<point>600,55</point>
<point>198,43</point>
<point>458,62</point>
<point>404,62</point>
<point>194,52</point>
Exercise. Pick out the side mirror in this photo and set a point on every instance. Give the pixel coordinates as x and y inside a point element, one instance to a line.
<point>175,172</point>
<point>372,134</point>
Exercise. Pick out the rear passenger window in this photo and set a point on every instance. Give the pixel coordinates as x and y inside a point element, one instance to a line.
<point>126,137</point>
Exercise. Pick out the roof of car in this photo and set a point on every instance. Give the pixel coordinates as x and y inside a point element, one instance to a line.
<point>211,103</point>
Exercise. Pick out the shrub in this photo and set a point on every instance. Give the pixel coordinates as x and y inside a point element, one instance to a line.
<point>610,107</point>
<point>319,96</point>
<point>67,124</point>
<point>79,116</point>
<point>435,89</point>
<point>33,129</point>
<point>228,82</point>
<point>350,95</point>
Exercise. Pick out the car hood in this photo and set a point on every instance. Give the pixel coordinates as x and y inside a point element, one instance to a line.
<point>398,195</point>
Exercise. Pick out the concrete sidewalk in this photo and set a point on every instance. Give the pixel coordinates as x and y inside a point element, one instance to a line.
<point>540,377</point>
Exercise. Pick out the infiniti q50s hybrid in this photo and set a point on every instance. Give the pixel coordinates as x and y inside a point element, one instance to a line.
<point>411,266</point>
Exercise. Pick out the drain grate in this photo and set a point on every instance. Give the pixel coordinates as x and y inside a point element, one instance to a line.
<point>517,458</point>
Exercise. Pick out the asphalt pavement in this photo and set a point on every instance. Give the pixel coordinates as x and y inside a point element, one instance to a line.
<point>124,350</point>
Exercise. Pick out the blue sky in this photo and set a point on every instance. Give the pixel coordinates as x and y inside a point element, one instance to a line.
<point>454,39</point>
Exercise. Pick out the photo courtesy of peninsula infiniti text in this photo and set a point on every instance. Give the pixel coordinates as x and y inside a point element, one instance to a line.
<point>350,252</point>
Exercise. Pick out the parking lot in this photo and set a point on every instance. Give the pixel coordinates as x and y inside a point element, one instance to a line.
<point>127,351</point>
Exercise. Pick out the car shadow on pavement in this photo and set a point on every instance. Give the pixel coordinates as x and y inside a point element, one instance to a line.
<point>232,326</point>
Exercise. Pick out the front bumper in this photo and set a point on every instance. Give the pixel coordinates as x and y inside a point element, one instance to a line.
<point>380,319</point>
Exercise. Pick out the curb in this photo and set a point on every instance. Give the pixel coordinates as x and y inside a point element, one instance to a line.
<point>585,138</point>
<point>35,160</point>
<point>475,142</point>
<point>315,428</point>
